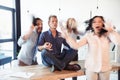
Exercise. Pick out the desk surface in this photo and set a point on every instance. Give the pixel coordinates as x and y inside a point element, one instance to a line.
<point>43,73</point>
<point>115,65</point>
<point>40,73</point>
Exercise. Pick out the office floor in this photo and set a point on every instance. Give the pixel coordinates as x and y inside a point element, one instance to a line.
<point>113,75</point>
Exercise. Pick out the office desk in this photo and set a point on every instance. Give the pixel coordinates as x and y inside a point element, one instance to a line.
<point>43,73</point>
<point>40,73</point>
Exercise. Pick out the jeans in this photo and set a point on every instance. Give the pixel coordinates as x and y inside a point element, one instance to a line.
<point>59,60</point>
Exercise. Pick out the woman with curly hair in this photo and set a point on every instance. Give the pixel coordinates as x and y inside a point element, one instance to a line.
<point>98,37</point>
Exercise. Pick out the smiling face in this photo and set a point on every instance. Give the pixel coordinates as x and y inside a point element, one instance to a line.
<point>97,24</point>
<point>39,26</point>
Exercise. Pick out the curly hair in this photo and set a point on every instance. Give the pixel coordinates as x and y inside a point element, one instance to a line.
<point>34,22</point>
<point>89,23</point>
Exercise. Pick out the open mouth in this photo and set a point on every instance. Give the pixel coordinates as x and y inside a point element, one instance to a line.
<point>98,27</point>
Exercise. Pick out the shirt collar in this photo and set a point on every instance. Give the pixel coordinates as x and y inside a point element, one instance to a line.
<point>49,31</point>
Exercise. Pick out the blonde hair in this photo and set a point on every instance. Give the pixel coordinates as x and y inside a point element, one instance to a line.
<point>71,25</point>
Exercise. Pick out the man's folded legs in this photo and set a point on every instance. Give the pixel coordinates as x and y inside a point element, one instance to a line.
<point>70,67</point>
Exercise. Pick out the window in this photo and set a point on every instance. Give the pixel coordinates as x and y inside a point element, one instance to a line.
<point>6,24</point>
<point>7,3</point>
<point>7,30</point>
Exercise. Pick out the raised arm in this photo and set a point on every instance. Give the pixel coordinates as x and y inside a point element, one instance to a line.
<point>74,44</point>
<point>26,36</point>
<point>113,35</point>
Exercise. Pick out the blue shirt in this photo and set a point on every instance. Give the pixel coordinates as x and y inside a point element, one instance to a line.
<point>55,41</point>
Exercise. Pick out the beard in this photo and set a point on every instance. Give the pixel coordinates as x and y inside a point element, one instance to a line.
<point>39,30</point>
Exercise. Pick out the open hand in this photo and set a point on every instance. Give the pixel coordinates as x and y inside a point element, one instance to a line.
<point>109,27</point>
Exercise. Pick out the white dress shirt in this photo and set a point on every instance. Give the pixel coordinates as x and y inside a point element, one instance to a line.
<point>98,56</point>
<point>26,53</point>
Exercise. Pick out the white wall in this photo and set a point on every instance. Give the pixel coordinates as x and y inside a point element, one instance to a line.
<point>79,9</point>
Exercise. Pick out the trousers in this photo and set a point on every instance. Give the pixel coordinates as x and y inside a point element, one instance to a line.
<point>97,75</point>
<point>59,60</point>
